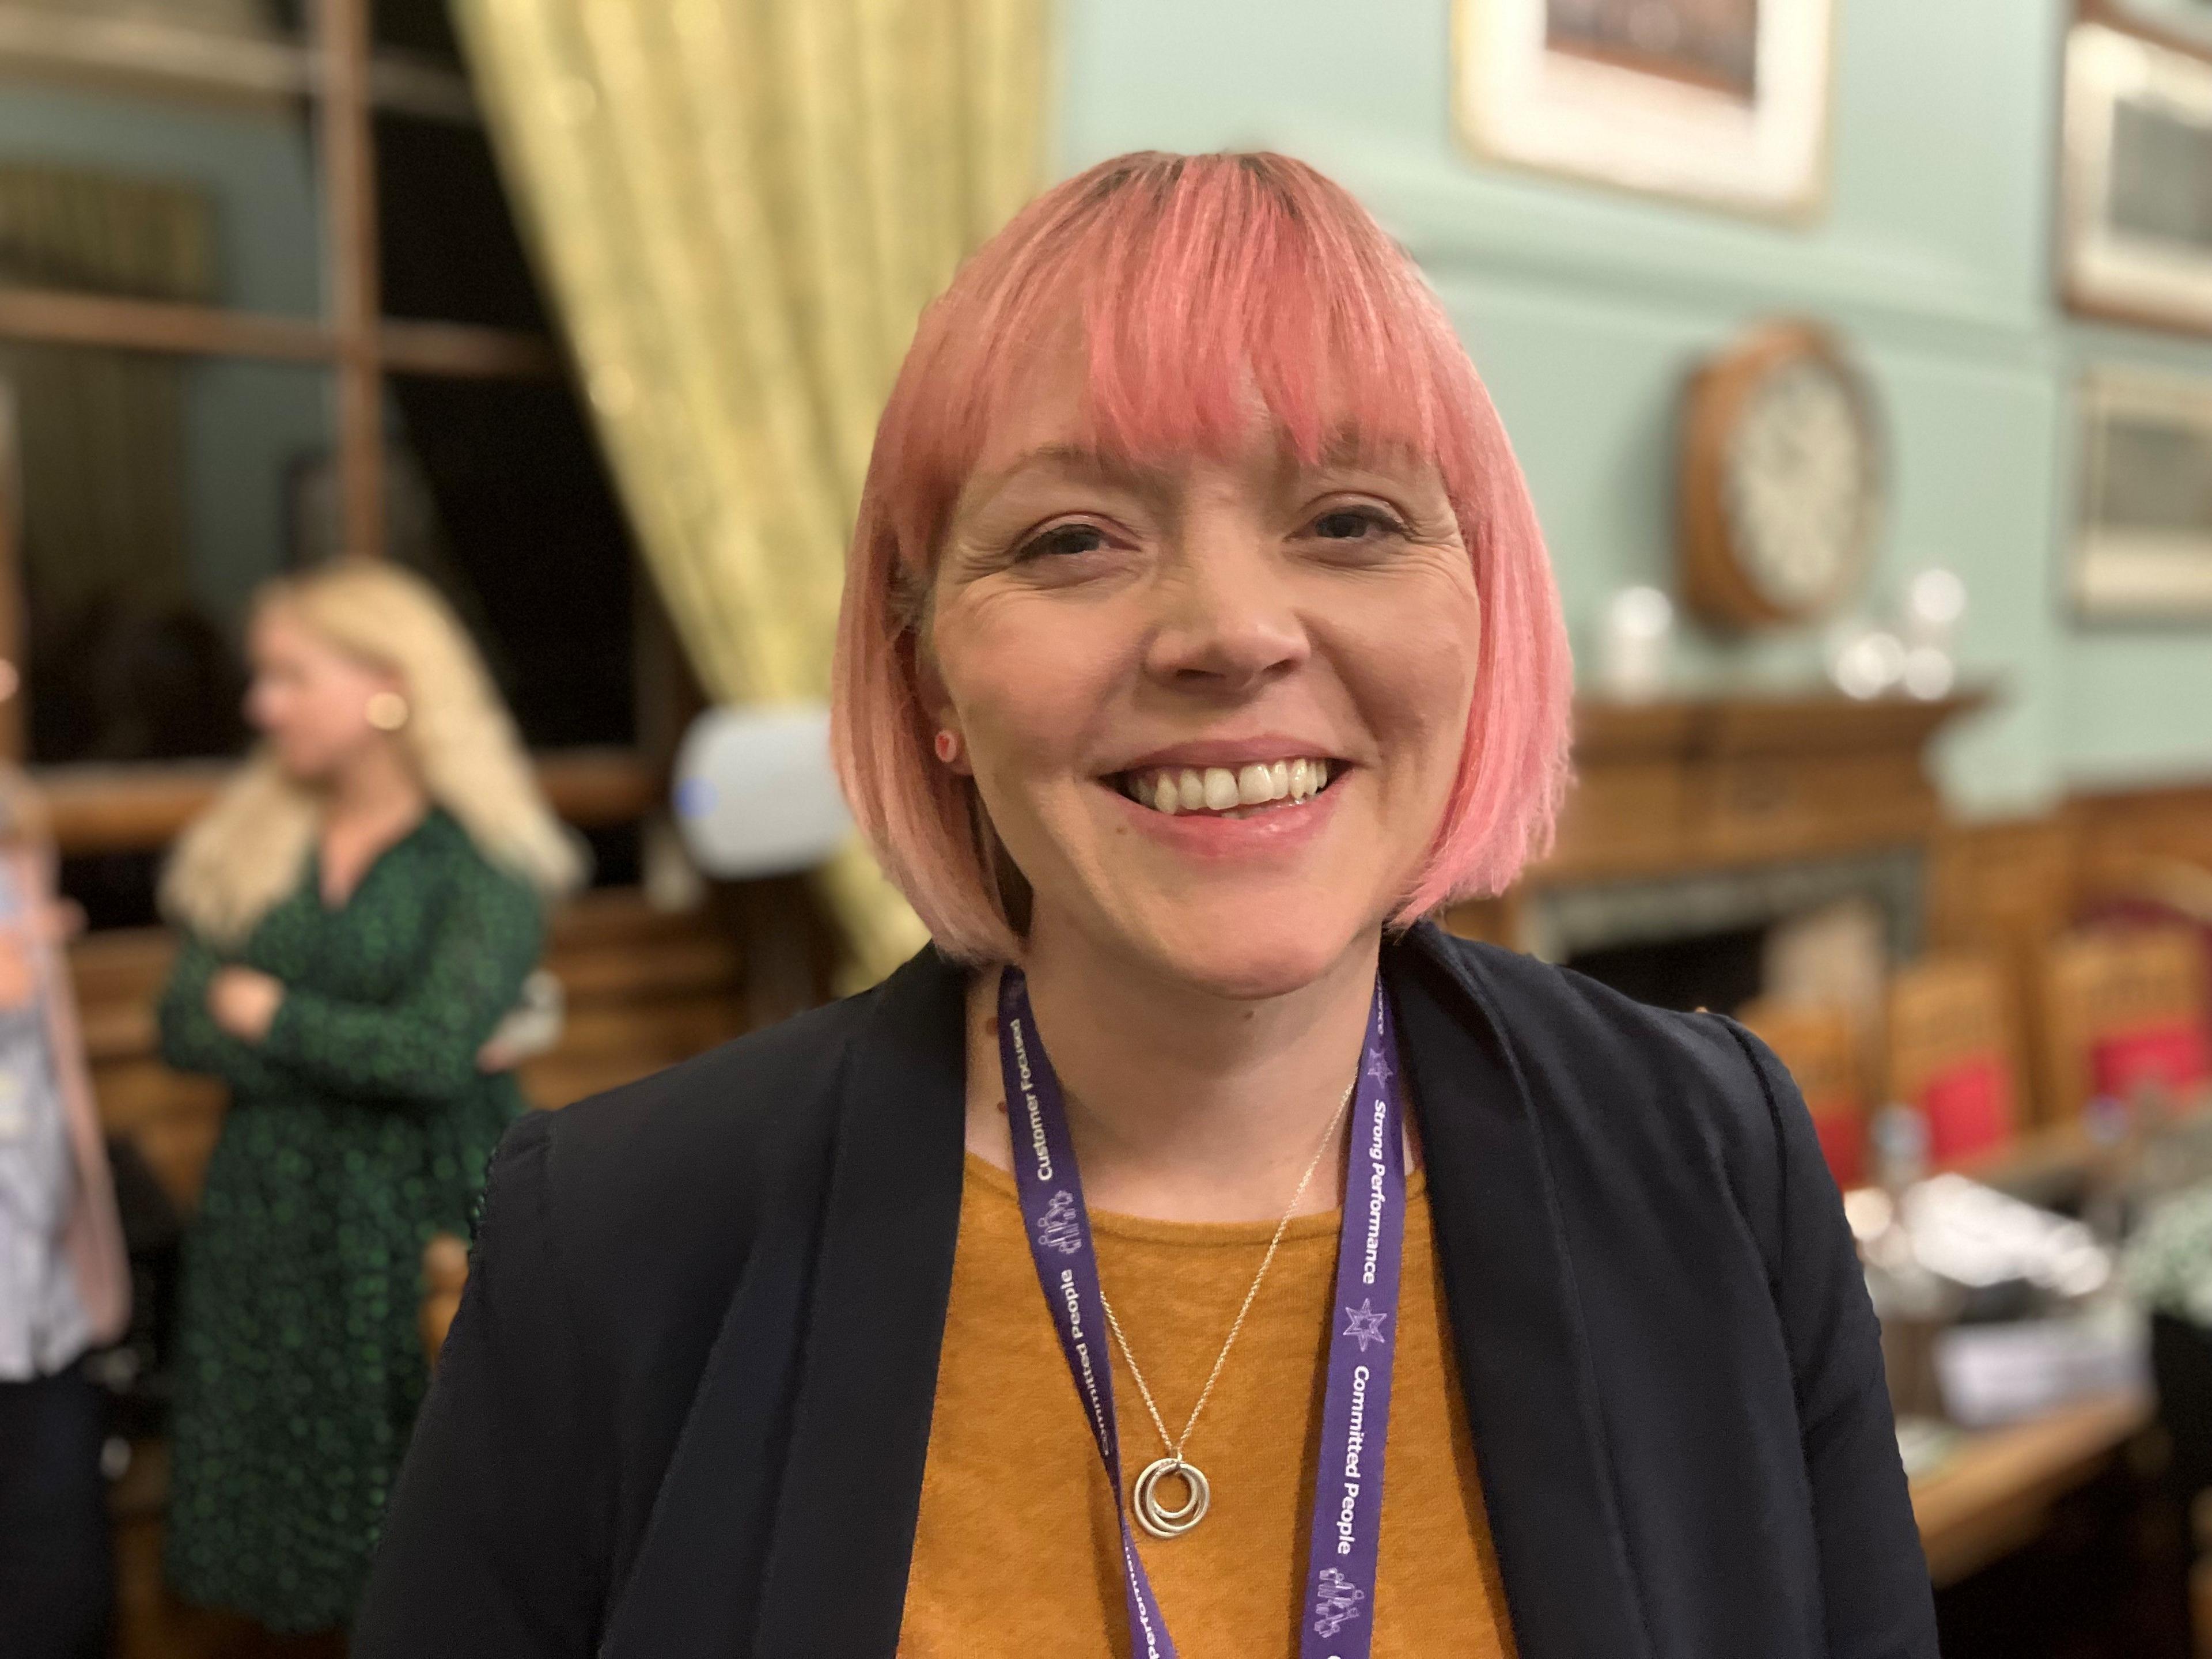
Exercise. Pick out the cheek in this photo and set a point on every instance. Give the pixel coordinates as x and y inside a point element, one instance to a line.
<point>1412,671</point>
<point>1030,686</point>
<point>327,712</point>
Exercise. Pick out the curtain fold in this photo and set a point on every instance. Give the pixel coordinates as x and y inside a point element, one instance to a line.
<point>739,208</point>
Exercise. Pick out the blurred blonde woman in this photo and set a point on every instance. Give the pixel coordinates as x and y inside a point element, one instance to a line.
<point>360,909</point>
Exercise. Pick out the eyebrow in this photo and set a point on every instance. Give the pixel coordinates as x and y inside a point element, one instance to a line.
<point>1350,446</point>
<point>1086,460</point>
<point>1071,457</point>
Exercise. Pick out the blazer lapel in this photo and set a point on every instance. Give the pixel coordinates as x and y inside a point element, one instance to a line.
<point>835,1583</point>
<point>785,1519</point>
<point>1524,1354</point>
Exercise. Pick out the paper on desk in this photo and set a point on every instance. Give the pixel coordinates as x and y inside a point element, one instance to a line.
<point>1993,1374</point>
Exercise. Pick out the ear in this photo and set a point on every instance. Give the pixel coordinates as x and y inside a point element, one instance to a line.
<point>936,703</point>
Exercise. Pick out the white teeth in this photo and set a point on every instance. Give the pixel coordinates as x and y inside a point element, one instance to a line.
<point>1233,792</point>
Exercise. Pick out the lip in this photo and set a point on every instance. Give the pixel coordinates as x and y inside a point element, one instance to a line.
<point>1280,830</point>
<point>1267,747</point>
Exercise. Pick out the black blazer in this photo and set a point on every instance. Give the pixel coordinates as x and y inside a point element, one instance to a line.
<point>684,1409</point>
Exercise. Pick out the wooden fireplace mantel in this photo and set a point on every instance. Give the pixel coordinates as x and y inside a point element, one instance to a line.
<point>1698,785</point>
<point>1686,785</point>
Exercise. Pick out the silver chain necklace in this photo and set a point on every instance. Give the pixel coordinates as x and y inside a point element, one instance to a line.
<point>1155,1516</point>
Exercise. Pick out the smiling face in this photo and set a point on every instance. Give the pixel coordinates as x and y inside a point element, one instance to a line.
<point>1214,706</point>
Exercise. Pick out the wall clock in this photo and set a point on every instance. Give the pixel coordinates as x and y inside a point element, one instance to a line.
<point>1781,488</point>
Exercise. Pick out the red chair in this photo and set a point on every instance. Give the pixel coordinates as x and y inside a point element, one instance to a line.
<point>2125,1012</point>
<point>1951,1054</point>
<point>1819,1044</point>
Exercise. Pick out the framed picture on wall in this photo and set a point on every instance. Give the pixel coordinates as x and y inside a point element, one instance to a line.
<point>2143,551</point>
<point>2135,196</point>
<point>2182,23</point>
<point>1720,102</point>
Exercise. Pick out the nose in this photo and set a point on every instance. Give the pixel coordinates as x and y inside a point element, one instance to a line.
<point>1226,621</point>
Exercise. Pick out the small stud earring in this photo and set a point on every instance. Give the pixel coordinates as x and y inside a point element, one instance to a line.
<point>387,711</point>
<point>948,747</point>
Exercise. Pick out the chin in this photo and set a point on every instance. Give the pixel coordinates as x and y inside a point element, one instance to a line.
<point>1251,958</point>
<point>308,771</point>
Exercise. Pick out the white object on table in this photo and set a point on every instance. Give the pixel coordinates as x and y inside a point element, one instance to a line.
<point>754,792</point>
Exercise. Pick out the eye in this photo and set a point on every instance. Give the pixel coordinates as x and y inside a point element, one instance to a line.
<point>1352,523</point>
<point>1060,541</point>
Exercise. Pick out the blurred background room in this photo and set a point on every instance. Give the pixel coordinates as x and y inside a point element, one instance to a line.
<point>1859,356</point>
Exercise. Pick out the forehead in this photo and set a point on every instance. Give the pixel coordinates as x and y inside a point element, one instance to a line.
<point>1055,417</point>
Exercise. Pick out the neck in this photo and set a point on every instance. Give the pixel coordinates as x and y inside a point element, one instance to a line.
<point>375,790</point>
<point>1188,1105</point>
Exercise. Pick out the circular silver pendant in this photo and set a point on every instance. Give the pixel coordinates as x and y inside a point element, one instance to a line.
<point>1154,1516</point>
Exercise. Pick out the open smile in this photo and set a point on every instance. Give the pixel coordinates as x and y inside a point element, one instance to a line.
<point>1229,792</point>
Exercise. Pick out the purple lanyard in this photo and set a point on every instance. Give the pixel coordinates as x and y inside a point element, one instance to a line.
<point>1337,1620</point>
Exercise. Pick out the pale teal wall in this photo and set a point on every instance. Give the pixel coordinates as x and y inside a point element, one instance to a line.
<point>1585,310</point>
<point>244,421</point>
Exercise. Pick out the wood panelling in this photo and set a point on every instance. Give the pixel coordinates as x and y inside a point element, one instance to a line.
<point>2003,890</point>
<point>145,806</point>
<point>645,989</point>
<point>2125,837</point>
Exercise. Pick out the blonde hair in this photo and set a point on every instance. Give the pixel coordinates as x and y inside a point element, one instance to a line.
<point>248,849</point>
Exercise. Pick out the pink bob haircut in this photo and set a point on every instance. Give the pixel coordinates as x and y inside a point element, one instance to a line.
<point>1196,285</point>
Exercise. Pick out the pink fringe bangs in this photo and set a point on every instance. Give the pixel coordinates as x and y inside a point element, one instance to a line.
<point>1209,291</point>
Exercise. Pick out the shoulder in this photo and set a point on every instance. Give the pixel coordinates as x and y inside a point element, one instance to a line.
<point>1617,1084</point>
<point>449,851</point>
<point>713,1122</point>
<point>1557,1017</point>
<point>648,1199</point>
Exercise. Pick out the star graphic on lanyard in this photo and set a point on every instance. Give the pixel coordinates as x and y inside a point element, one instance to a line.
<point>1379,1069</point>
<point>1366,1324</point>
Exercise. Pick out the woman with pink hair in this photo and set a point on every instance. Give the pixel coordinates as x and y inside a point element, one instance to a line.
<point>1195,1251</point>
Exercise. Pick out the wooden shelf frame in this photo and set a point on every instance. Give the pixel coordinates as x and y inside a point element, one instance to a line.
<point>59,317</point>
<point>138,808</point>
<point>141,54</point>
<point>346,81</point>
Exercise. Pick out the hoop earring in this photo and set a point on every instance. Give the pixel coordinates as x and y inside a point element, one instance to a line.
<point>387,711</point>
<point>948,747</point>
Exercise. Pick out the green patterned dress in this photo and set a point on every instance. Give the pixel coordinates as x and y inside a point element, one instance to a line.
<point>357,1128</point>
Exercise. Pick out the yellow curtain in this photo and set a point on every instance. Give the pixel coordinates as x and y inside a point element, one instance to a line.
<point>739,208</point>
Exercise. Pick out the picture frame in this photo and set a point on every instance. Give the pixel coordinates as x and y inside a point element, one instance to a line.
<point>2135,218</point>
<point>2143,547</point>
<point>2183,23</point>
<point>1721,103</point>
